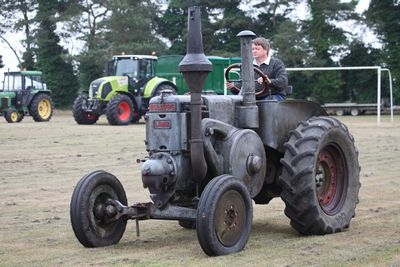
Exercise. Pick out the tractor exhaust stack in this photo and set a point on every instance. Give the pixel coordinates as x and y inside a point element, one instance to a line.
<point>195,67</point>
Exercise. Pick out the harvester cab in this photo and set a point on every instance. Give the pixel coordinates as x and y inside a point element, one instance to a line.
<point>211,156</point>
<point>124,93</point>
<point>24,93</point>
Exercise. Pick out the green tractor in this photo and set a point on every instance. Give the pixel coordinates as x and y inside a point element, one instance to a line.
<point>123,95</point>
<point>24,93</point>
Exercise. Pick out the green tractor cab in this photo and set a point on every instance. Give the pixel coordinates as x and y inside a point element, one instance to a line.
<point>123,95</point>
<point>24,93</point>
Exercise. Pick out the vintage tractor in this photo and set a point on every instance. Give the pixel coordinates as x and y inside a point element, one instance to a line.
<point>210,156</point>
<point>24,93</point>
<point>122,95</point>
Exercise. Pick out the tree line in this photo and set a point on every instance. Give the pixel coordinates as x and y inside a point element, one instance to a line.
<point>107,27</point>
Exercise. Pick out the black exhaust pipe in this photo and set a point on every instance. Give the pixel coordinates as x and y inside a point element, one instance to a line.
<point>195,67</point>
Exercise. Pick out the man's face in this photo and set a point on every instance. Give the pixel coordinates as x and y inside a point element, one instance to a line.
<point>259,51</point>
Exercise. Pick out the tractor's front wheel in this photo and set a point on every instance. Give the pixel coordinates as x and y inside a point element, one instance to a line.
<point>92,212</point>
<point>41,107</point>
<point>12,115</point>
<point>321,177</point>
<point>80,115</point>
<point>224,216</point>
<point>120,110</point>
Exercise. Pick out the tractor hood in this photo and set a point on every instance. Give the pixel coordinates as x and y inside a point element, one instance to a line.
<point>106,87</point>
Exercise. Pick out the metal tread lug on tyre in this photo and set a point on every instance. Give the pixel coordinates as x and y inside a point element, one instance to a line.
<point>91,215</point>
<point>321,176</point>
<point>224,216</point>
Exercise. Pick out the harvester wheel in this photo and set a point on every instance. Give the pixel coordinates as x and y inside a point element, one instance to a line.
<point>224,216</point>
<point>12,115</point>
<point>80,115</point>
<point>41,107</point>
<point>320,177</point>
<point>91,212</point>
<point>120,110</point>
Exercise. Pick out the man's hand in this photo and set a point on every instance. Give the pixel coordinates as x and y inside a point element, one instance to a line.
<point>229,85</point>
<point>260,80</point>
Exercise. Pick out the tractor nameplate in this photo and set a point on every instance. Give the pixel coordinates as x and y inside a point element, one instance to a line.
<point>162,124</point>
<point>162,107</point>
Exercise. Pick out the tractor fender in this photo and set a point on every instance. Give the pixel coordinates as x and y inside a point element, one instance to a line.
<point>31,95</point>
<point>152,84</point>
<point>108,87</point>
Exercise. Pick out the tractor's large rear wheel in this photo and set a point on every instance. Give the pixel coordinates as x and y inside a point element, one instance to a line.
<point>120,110</point>
<point>41,107</point>
<point>80,115</point>
<point>224,216</point>
<point>320,177</point>
<point>91,212</point>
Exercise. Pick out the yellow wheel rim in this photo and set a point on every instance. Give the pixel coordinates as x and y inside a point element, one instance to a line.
<point>14,116</point>
<point>44,108</point>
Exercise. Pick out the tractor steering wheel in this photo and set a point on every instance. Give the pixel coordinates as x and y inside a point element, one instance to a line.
<point>236,90</point>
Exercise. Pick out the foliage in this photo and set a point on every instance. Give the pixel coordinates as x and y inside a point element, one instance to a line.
<point>1,62</point>
<point>18,16</point>
<point>58,72</point>
<point>130,28</point>
<point>107,27</point>
<point>383,16</point>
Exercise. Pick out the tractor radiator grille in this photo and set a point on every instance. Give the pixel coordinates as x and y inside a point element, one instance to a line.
<point>4,102</point>
<point>106,90</point>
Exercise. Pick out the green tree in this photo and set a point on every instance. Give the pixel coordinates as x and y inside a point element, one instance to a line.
<point>130,28</point>
<point>383,16</point>
<point>221,21</point>
<point>359,85</point>
<point>89,26</point>
<point>18,15</point>
<point>325,40</point>
<point>51,57</point>
<point>111,27</point>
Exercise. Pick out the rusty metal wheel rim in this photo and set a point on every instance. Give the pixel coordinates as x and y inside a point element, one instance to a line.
<point>99,211</point>
<point>230,218</point>
<point>331,179</point>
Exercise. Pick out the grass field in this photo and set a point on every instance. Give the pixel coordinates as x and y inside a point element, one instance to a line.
<point>40,164</point>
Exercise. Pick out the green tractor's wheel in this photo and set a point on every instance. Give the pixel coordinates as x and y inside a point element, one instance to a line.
<point>92,214</point>
<point>224,216</point>
<point>41,107</point>
<point>80,115</point>
<point>320,177</point>
<point>12,115</point>
<point>120,110</point>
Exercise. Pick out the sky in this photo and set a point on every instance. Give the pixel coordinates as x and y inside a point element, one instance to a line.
<point>10,61</point>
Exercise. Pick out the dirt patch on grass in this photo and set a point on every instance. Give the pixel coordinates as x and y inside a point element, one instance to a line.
<point>40,164</point>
